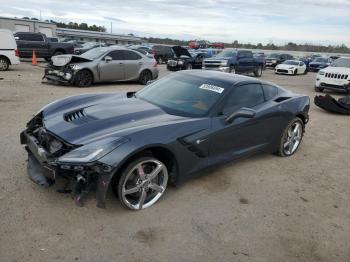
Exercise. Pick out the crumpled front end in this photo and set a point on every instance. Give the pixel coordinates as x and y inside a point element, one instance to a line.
<point>44,168</point>
<point>62,69</point>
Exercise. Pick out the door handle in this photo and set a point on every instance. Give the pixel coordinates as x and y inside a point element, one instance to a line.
<point>140,63</point>
<point>121,63</point>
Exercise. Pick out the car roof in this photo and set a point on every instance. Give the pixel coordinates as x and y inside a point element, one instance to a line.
<point>230,79</point>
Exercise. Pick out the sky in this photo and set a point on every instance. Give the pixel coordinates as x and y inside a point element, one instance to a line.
<point>248,21</point>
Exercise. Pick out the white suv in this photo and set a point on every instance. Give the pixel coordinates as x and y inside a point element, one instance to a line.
<point>334,77</point>
<point>8,50</point>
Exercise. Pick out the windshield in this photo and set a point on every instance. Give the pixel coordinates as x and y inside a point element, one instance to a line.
<point>341,62</point>
<point>88,45</point>
<point>183,95</point>
<point>291,62</point>
<point>273,56</point>
<point>226,53</point>
<point>321,60</point>
<point>94,53</point>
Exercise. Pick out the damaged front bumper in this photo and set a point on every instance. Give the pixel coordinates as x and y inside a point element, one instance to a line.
<point>63,76</point>
<point>81,178</point>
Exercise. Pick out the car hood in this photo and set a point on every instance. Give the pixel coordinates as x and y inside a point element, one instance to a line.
<point>179,51</point>
<point>336,70</point>
<point>317,63</point>
<point>116,115</point>
<point>285,66</point>
<point>217,58</point>
<point>62,60</point>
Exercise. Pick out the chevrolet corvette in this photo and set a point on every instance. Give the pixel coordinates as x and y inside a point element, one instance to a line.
<point>136,143</point>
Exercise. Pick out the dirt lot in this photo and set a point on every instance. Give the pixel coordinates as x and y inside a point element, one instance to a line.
<point>264,208</point>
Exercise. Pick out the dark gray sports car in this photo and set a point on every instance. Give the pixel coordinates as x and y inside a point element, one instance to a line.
<point>136,143</point>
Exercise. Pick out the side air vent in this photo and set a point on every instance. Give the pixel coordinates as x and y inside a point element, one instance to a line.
<point>74,115</point>
<point>281,99</point>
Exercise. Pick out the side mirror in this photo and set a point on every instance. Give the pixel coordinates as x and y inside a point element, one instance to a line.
<point>244,112</point>
<point>108,59</point>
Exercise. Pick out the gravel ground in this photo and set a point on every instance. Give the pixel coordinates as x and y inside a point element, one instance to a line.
<point>264,208</point>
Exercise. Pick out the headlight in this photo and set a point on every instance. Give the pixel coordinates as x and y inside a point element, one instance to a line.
<point>75,67</point>
<point>292,67</point>
<point>274,61</point>
<point>93,151</point>
<point>321,73</point>
<point>223,63</point>
<point>180,62</point>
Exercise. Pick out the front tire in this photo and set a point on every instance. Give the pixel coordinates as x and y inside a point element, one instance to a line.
<point>83,78</point>
<point>4,64</point>
<point>319,89</point>
<point>145,76</point>
<point>142,183</point>
<point>291,138</point>
<point>295,72</point>
<point>189,66</point>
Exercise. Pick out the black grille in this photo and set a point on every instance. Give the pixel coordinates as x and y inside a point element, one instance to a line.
<point>211,65</point>
<point>282,71</point>
<point>336,76</point>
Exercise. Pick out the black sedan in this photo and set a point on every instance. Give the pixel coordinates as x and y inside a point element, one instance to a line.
<point>184,60</point>
<point>135,143</point>
<point>318,63</point>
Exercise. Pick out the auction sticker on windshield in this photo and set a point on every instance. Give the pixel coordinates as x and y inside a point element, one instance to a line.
<point>216,89</point>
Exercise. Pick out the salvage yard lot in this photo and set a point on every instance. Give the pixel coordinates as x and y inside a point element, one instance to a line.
<point>264,208</point>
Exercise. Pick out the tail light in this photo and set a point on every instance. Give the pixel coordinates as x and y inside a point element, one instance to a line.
<point>155,64</point>
<point>16,52</point>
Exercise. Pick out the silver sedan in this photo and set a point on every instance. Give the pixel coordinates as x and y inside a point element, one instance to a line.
<point>102,64</point>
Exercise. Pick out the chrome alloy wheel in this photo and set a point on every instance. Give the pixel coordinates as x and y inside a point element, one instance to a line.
<point>144,184</point>
<point>293,139</point>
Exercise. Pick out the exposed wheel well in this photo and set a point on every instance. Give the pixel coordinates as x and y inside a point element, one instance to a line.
<point>302,117</point>
<point>161,153</point>
<point>6,58</point>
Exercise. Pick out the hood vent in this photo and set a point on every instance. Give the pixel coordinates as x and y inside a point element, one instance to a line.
<point>77,117</point>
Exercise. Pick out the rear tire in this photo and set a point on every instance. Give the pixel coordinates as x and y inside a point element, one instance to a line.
<point>58,53</point>
<point>4,64</point>
<point>145,76</point>
<point>232,70</point>
<point>189,66</point>
<point>83,78</point>
<point>258,71</point>
<point>291,138</point>
<point>305,72</point>
<point>160,60</point>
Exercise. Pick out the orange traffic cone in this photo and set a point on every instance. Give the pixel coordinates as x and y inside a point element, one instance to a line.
<point>34,61</point>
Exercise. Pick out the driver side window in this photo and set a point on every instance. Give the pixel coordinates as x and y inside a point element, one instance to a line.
<point>116,55</point>
<point>248,95</point>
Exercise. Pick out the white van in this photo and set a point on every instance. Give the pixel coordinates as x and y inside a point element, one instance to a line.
<point>8,50</point>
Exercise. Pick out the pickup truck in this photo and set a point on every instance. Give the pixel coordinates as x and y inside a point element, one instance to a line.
<point>234,61</point>
<point>27,42</point>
